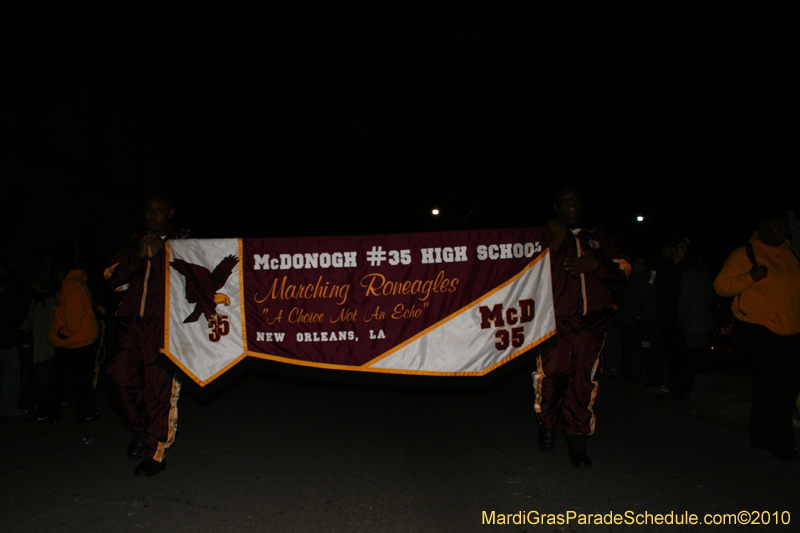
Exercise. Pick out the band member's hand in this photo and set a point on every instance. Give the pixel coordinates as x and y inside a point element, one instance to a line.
<point>758,272</point>
<point>557,233</point>
<point>582,265</point>
<point>152,241</point>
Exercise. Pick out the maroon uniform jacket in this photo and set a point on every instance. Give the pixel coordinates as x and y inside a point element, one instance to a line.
<point>145,392</point>
<point>587,294</point>
<point>142,279</point>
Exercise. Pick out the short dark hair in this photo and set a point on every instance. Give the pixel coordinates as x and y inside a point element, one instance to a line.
<point>767,213</point>
<point>160,196</point>
<point>763,207</point>
<point>560,190</point>
<point>677,240</point>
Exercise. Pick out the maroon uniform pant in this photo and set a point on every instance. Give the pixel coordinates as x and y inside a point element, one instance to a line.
<point>564,380</point>
<point>144,390</point>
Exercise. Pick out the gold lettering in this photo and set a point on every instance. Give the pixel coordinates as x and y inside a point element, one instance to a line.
<point>283,289</point>
<point>377,315</point>
<point>426,289</point>
<point>401,312</point>
<point>377,285</point>
<point>297,315</point>
<point>346,315</point>
<point>370,278</point>
<point>276,319</point>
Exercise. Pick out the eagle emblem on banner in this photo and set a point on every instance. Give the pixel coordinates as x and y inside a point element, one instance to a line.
<point>202,286</point>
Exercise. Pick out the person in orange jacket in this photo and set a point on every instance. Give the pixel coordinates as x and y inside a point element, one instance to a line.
<point>764,279</point>
<point>73,332</point>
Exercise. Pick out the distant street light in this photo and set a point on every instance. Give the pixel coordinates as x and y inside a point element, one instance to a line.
<point>435,211</point>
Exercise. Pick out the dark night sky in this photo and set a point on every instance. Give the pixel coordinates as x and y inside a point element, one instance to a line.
<point>348,121</point>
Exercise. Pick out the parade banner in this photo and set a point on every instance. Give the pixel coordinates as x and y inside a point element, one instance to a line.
<point>458,303</point>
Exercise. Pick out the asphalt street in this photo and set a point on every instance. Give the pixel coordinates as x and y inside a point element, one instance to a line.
<point>285,455</point>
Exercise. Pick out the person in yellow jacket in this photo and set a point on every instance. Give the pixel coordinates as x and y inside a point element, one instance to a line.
<point>764,279</point>
<point>73,332</point>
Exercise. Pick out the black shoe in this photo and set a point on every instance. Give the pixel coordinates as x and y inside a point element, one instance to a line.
<point>136,447</point>
<point>547,439</point>
<point>92,418</point>
<point>654,382</point>
<point>148,467</point>
<point>787,455</point>
<point>18,412</point>
<point>576,449</point>
<point>579,459</point>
